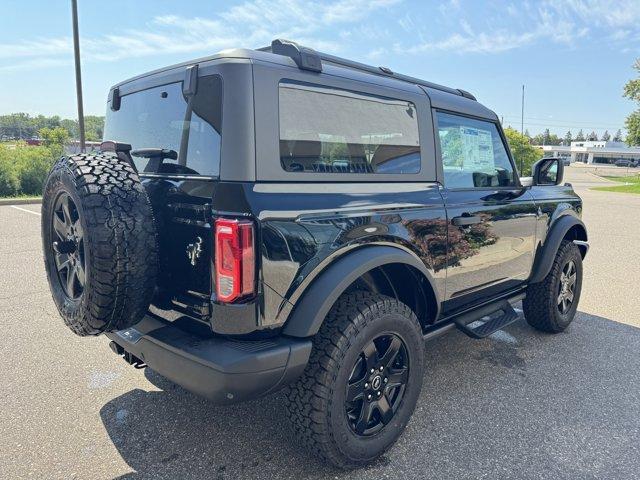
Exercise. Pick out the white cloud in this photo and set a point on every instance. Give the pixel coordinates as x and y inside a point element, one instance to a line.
<point>250,24</point>
<point>563,22</point>
<point>379,26</point>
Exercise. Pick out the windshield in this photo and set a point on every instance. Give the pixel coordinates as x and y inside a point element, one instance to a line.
<point>163,118</point>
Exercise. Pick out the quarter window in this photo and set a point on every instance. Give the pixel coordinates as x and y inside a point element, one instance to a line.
<point>473,153</point>
<point>335,131</point>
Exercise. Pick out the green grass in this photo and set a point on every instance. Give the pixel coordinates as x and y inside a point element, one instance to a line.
<point>633,188</point>
<point>633,185</point>
<point>628,179</point>
<point>22,197</point>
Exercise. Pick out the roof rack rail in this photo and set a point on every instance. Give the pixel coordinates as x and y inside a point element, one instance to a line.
<point>305,58</point>
<point>466,94</point>
<point>309,59</point>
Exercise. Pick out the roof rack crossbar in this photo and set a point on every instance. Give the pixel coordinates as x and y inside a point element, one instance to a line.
<point>343,62</point>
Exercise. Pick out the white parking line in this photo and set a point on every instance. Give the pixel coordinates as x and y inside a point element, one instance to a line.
<point>25,210</point>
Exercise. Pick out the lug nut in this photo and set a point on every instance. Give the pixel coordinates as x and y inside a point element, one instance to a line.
<point>372,370</point>
<point>368,397</point>
<point>381,368</point>
<point>379,393</point>
<point>366,385</point>
<point>386,379</point>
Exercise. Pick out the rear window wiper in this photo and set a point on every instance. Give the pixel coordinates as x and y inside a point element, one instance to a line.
<point>155,156</point>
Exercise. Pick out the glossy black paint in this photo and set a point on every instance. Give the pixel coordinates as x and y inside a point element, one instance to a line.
<point>302,228</point>
<point>496,253</point>
<point>182,210</point>
<point>475,244</point>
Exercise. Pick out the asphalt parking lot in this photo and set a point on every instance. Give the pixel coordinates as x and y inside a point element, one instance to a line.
<point>518,405</point>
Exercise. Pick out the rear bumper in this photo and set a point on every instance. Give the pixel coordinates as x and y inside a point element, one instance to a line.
<point>220,369</point>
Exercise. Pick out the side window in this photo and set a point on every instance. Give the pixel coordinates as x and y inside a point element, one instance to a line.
<point>336,131</point>
<point>473,154</point>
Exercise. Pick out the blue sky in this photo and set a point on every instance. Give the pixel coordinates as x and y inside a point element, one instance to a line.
<point>574,56</point>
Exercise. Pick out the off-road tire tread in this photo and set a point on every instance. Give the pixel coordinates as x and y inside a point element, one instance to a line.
<point>120,239</point>
<point>307,399</point>
<point>540,303</point>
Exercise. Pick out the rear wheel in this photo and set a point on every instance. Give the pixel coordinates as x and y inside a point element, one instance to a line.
<point>551,305</point>
<point>362,382</point>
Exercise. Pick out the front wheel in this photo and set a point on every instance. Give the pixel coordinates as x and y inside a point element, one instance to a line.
<point>362,382</point>
<point>551,304</point>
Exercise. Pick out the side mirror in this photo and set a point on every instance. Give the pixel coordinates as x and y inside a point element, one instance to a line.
<point>548,171</point>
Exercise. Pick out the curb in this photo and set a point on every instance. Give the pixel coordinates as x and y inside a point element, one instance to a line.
<point>602,179</point>
<point>20,201</point>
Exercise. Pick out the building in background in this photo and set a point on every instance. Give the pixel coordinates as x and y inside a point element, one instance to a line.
<point>593,152</point>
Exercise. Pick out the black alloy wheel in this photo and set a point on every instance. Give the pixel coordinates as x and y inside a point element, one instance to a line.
<point>68,246</point>
<point>362,381</point>
<point>377,383</point>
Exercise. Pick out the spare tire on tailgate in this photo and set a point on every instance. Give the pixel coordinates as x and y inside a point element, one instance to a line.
<point>99,241</point>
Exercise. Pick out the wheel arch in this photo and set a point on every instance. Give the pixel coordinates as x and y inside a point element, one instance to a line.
<point>567,227</point>
<point>376,268</point>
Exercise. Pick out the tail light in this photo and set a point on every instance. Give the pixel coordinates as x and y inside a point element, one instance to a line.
<point>235,259</point>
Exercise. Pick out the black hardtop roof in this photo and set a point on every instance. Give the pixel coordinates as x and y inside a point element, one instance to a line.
<point>290,54</point>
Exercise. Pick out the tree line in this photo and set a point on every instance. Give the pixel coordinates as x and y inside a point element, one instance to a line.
<point>22,126</point>
<point>632,92</point>
<point>548,138</point>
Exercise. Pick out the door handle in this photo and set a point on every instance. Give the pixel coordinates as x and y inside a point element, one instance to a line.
<point>465,220</point>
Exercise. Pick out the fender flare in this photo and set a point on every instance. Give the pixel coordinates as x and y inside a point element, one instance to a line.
<point>547,250</point>
<point>314,305</point>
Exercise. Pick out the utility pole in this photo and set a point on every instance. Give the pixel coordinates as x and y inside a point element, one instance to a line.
<point>76,52</point>
<point>522,125</point>
<point>521,111</point>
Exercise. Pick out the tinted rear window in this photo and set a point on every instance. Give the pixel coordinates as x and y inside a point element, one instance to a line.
<point>335,131</point>
<point>162,117</point>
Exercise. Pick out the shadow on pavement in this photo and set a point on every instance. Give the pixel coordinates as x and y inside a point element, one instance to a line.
<point>519,404</point>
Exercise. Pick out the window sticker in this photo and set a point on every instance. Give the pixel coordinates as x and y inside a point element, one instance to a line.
<point>478,149</point>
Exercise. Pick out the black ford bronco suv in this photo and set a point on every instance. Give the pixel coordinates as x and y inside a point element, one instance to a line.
<point>279,217</point>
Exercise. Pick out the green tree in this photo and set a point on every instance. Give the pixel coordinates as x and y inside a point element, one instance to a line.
<point>24,126</point>
<point>538,139</point>
<point>593,136</point>
<point>554,139</point>
<point>606,136</point>
<point>55,139</point>
<point>523,152</point>
<point>618,136</point>
<point>568,137</point>
<point>580,136</point>
<point>23,169</point>
<point>9,180</point>
<point>94,128</point>
<point>632,123</point>
<point>70,126</point>
<point>632,92</point>
<point>632,87</point>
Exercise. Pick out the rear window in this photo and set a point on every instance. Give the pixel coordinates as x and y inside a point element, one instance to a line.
<point>162,117</point>
<point>335,131</point>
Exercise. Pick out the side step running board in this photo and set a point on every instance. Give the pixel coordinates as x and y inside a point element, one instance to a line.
<point>483,322</point>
